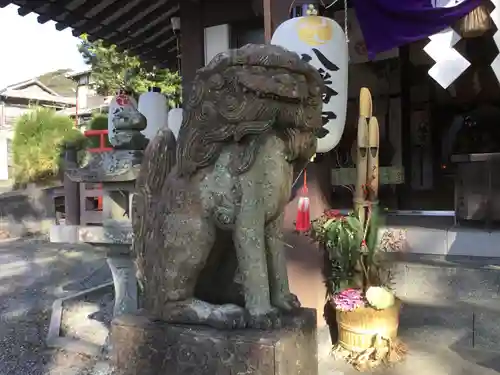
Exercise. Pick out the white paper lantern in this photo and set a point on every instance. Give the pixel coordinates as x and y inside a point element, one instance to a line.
<point>321,42</point>
<point>153,105</point>
<point>175,121</point>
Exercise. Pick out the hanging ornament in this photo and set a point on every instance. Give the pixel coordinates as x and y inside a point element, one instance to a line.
<point>303,220</point>
<point>476,23</point>
<point>311,10</point>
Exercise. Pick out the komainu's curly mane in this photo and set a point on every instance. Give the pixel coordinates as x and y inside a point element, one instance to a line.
<point>246,94</point>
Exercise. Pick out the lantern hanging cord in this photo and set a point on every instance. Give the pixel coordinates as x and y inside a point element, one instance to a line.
<point>346,31</point>
<point>328,6</point>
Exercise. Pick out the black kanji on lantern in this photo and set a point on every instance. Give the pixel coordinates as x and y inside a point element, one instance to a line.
<point>324,61</point>
<point>305,57</point>
<point>326,116</point>
<point>328,67</point>
<point>327,95</point>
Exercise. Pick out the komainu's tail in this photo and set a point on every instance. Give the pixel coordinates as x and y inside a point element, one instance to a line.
<point>159,159</point>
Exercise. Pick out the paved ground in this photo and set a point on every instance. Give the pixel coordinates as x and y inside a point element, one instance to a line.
<point>426,359</point>
<point>34,274</point>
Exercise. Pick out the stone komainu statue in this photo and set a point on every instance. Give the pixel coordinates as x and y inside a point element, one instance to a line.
<point>208,212</point>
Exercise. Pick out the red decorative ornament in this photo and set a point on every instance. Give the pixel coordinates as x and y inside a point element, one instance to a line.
<point>303,220</point>
<point>122,100</point>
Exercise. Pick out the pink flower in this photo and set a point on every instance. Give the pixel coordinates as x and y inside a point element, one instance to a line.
<point>348,300</point>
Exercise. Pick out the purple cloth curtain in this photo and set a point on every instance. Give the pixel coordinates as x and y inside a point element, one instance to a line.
<point>387,24</point>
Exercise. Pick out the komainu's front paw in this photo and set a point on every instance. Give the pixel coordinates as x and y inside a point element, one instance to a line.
<point>286,302</point>
<point>227,317</point>
<point>264,319</point>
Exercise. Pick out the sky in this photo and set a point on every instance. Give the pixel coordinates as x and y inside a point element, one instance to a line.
<point>29,49</point>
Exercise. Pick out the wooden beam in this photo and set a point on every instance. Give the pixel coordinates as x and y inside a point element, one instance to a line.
<point>99,31</point>
<point>54,11</point>
<point>155,39</point>
<point>154,25</point>
<point>88,5</point>
<point>109,10</point>
<point>60,26</point>
<point>157,50</point>
<point>24,10</point>
<point>134,38</point>
<point>141,27</point>
<point>42,19</point>
<point>145,8</point>
<point>168,41</point>
<point>53,8</point>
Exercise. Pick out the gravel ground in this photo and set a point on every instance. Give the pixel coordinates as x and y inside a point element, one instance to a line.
<point>89,319</point>
<point>35,273</point>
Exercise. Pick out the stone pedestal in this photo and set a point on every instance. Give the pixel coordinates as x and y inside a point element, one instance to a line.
<point>123,271</point>
<point>142,346</point>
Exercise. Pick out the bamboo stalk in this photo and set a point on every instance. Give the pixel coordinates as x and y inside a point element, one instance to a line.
<point>365,103</point>
<point>361,169</point>
<point>365,112</point>
<point>373,160</point>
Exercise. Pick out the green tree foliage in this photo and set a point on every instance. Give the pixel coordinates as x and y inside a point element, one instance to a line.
<point>39,137</point>
<point>113,70</point>
<point>98,121</point>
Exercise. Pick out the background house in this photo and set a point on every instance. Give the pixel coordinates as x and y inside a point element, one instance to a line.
<point>86,99</point>
<point>17,99</point>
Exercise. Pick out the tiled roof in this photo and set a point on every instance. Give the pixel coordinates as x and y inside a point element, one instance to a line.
<point>75,75</point>
<point>33,81</point>
<point>40,97</point>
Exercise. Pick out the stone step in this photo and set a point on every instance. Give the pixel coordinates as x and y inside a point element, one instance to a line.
<point>430,279</point>
<point>449,302</point>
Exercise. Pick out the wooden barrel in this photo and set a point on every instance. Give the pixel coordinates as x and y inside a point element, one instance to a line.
<point>357,329</point>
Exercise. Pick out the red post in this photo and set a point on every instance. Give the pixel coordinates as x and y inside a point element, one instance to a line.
<point>76,112</point>
<point>102,147</point>
<point>102,143</point>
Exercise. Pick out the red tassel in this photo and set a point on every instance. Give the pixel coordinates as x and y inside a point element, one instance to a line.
<point>303,220</point>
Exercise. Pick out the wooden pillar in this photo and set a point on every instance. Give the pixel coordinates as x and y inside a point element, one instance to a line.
<point>192,42</point>
<point>268,23</point>
<point>275,13</point>
<point>404,190</point>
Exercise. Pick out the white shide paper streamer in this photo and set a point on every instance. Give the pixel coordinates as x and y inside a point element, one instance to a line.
<point>495,17</point>
<point>449,63</point>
